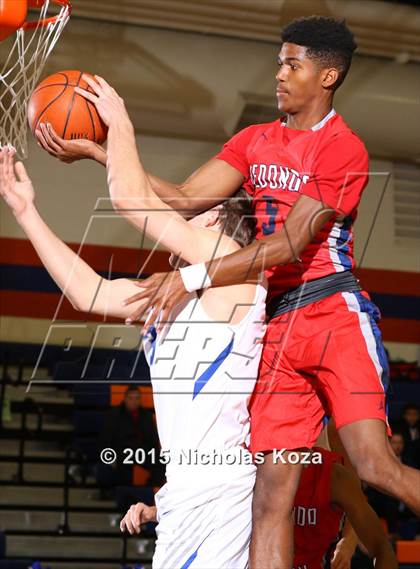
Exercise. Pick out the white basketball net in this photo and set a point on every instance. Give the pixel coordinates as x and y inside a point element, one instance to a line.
<point>20,74</point>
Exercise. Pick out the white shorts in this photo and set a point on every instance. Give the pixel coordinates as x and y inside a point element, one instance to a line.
<point>205,519</point>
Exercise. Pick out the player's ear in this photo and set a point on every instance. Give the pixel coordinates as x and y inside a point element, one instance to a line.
<point>330,77</point>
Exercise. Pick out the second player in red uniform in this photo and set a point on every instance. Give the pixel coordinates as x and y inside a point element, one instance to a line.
<point>327,492</point>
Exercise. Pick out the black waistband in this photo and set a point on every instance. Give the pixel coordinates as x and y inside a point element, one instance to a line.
<point>312,291</point>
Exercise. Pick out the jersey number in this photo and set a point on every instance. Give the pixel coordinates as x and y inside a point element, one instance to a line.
<point>271,210</point>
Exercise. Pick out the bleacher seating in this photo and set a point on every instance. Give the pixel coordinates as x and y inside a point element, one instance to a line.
<point>71,527</point>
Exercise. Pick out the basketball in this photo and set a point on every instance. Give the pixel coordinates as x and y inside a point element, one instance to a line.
<point>12,16</point>
<point>55,101</point>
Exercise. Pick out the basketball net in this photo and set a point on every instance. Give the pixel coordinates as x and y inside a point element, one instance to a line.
<point>21,71</point>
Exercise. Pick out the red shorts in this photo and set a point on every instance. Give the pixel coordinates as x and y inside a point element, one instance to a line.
<point>325,358</point>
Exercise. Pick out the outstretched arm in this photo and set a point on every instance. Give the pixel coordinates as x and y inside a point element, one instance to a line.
<point>211,184</point>
<point>163,290</point>
<point>86,290</point>
<point>304,221</point>
<point>131,191</point>
<point>347,494</point>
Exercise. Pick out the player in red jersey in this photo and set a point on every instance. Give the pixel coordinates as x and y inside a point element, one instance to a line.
<point>322,351</point>
<point>328,491</point>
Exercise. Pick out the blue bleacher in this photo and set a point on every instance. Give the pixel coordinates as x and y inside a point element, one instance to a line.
<point>106,370</point>
<point>74,371</point>
<point>138,372</point>
<point>91,394</point>
<point>67,371</point>
<point>88,422</point>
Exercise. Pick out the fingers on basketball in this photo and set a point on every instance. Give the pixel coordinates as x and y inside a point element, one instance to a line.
<point>96,87</point>
<point>107,88</point>
<point>53,135</point>
<point>72,116</point>
<point>42,141</point>
<point>47,136</point>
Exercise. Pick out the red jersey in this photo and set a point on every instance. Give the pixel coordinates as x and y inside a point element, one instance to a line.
<point>328,163</point>
<point>317,521</point>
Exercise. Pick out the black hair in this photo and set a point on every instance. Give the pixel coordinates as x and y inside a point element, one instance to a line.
<point>237,218</point>
<point>328,41</point>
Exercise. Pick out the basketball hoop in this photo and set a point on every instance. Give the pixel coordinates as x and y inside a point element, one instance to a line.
<point>31,45</point>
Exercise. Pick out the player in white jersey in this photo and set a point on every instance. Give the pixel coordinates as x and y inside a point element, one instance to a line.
<point>203,365</point>
<point>203,371</point>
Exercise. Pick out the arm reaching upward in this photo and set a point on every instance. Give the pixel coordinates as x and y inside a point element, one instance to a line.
<point>131,191</point>
<point>209,185</point>
<point>86,290</point>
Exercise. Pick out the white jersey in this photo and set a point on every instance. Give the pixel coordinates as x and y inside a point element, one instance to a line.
<point>203,373</point>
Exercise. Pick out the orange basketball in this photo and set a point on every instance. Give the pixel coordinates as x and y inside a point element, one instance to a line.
<point>12,16</point>
<point>55,101</point>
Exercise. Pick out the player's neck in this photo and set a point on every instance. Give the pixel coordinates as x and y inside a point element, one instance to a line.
<point>306,119</point>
